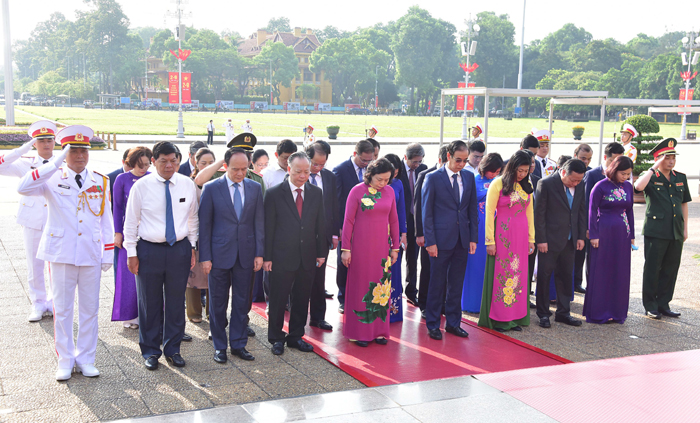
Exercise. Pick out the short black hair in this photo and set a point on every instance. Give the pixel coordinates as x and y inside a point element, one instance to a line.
<point>286,146</point>
<point>442,154</point>
<point>126,154</point>
<point>165,148</point>
<point>491,163</point>
<point>195,146</point>
<point>575,166</point>
<point>529,141</point>
<point>377,167</point>
<point>297,155</point>
<point>563,159</point>
<point>455,146</point>
<point>363,147</point>
<point>478,146</point>
<point>375,143</point>
<point>257,154</point>
<point>414,150</point>
<point>233,151</point>
<point>396,162</point>
<point>320,147</point>
<point>614,148</point>
<point>582,147</point>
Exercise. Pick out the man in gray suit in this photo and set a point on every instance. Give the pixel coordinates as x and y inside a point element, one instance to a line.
<point>231,247</point>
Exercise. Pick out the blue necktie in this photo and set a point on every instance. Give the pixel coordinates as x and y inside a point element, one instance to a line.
<point>455,187</point>
<point>170,236</point>
<point>359,174</point>
<point>569,197</point>
<point>313,179</point>
<point>237,201</point>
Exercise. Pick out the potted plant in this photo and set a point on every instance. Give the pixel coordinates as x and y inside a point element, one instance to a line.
<point>332,131</point>
<point>645,142</point>
<point>577,131</point>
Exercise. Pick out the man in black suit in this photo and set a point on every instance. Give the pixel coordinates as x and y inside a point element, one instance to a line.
<point>188,167</point>
<point>323,178</point>
<point>413,163</point>
<point>560,230</point>
<point>295,245</point>
<point>348,174</point>
<point>420,238</point>
<point>532,258</point>
<point>583,152</point>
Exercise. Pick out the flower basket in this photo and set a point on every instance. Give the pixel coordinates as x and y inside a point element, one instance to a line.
<point>333,131</point>
<point>577,131</point>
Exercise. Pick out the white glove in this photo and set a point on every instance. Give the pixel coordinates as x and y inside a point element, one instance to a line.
<point>58,159</point>
<point>24,149</point>
<point>106,266</point>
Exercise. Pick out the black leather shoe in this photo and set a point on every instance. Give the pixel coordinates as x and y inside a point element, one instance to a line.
<point>532,305</point>
<point>458,331</point>
<point>412,301</point>
<point>176,360</point>
<point>328,295</point>
<point>517,329</point>
<point>422,314</point>
<point>278,348</point>
<point>243,354</point>
<point>186,338</point>
<point>501,330</point>
<point>250,331</point>
<point>544,322</point>
<point>362,344</point>
<point>301,345</point>
<point>152,362</point>
<point>220,356</point>
<point>669,313</point>
<point>653,314</point>
<point>580,289</point>
<point>321,325</point>
<point>341,309</point>
<point>568,320</point>
<point>435,334</point>
<point>381,341</point>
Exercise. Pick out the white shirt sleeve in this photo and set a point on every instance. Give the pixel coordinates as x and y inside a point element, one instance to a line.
<point>132,219</point>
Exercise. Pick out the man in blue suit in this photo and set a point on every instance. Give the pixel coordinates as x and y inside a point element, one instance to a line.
<point>231,247</point>
<point>348,174</point>
<point>450,225</point>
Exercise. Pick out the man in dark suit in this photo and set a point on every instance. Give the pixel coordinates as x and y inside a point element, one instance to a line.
<point>560,230</point>
<point>323,178</point>
<point>231,247</point>
<point>583,152</point>
<point>295,245</point>
<point>413,163</point>
<point>450,226</point>
<point>420,238</point>
<point>348,174</point>
<point>532,258</point>
<point>187,167</point>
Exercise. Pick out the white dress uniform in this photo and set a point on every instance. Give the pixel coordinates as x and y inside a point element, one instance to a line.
<point>78,241</point>
<point>228,126</point>
<point>309,138</point>
<point>549,166</point>
<point>247,127</point>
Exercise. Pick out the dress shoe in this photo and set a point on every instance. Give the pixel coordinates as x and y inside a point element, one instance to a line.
<point>210,335</point>
<point>580,289</point>
<point>278,348</point>
<point>321,325</point>
<point>501,330</point>
<point>88,370</point>
<point>412,301</point>
<point>517,328</point>
<point>301,345</point>
<point>36,314</point>
<point>196,320</point>
<point>422,314</point>
<point>152,362</point>
<point>361,343</point>
<point>435,334</point>
<point>242,353</point>
<point>220,356</point>
<point>341,309</point>
<point>568,320</point>
<point>63,374</point>
<point>544,322</point>
<point>532,305</point>
<point>186,338</point>
<point>458,331</point>
<point>250,331</point>
<point>328,295</point>
<point>381,341</point>
<point>669,313</point>
<point>653,314</point>
<point>176,360</point>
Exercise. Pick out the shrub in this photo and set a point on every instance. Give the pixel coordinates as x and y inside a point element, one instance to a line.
<point>643,123</point>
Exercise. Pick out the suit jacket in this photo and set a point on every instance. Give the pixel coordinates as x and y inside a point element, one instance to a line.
<point>112,178</point>
<point>330,204</point>
<point>554,220</point>
<point>444,219</point>
<point>418,217</point>
<point>346,179</point>
<point>408,194</point>
<point>591,178</point>
<point>534,179</point>
<point>223,236</point>
<point>185,168</point>
<point>290,241</point>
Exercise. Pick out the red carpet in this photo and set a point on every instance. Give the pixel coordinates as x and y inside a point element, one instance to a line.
<point>649,388</point>
<point>412,356</point>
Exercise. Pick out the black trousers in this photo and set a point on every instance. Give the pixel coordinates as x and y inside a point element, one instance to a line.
<point>283,284</point>
<point>160,286</point>
<point>411,257</point>
<point>424,285</point>
<point>531,260</point>
<point>341,276</point>
<point>579,262</point>
<point>662,257</point>
<point>210,137</point>
<point>446,283</point>
<point>317,302</point>
<point>561,263</point>
<point>237,282</point>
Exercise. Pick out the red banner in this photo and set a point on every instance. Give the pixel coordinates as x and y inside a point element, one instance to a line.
<point>186,88</point>
<point>460,98</point>
<point>173,88</point>
<point>681,96</point>
<point>470,98</point>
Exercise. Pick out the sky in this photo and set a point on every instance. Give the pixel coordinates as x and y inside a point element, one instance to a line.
<point>602,18</point>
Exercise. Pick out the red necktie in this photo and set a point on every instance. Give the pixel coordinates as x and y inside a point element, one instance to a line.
<point>300,201</point>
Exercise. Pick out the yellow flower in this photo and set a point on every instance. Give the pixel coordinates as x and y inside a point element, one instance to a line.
<point>509,282</point>
<point>381,294</point>
<point>367,202</point>
<point>372,190</point>
<point>387,265</point>
<point>507,300</point>
<point>508,291</point>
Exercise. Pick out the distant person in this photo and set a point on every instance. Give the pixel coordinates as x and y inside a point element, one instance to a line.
<point>477,149</point>
<point>477,130</point>
<point>260,161</point>
<point>275,173</point>
<point>372,132</point>
<point>210,133</point>
<point>548,165</point>
<point>188,167</point>
<point>309,137</point>
<point>376,146</point>
<point>247,127</point>
<point>230,133</point>
<point>628,133</point>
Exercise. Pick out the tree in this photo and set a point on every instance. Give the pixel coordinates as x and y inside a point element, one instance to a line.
<point>330,32</point>
<point>597,56</point>
<point>660,77</point>
<point>146,33</point>
<point>497,54</point>
<point>280,24</point>
<point>160,39</point>
<point>566,37</point>
<point>284,63</point>
<point>307,91</point>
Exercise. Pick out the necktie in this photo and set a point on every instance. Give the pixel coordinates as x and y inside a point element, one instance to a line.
<point>46,161</point>
<point>170,236</point>
<point>455,187</point>
<point>300,201</point>
<point>77,181</point>
<point>359,174</point>
<point>237,200</point>
<point>313,179</point>
<point>411,184</point>
<point>570,198</point>
<point>544,165</point>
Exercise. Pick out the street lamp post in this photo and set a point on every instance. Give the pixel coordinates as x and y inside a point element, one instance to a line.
<point>691,43</point>
<point>376,81</point>
<point>522,50</point>
<point>180,35</point>
<point>472,29</point>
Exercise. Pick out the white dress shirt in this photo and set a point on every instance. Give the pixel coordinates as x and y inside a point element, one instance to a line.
<point>145,210</point>
<point>459,181</point>
<point>273,175</point>
<point>231,190</point>
<point>294,192</point>
<point>319,180</point>
<point>210,127</point>
<point>471,169</point>
<point>357,169</point>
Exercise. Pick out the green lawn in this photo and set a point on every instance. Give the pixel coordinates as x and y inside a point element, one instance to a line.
<point>280,124</point>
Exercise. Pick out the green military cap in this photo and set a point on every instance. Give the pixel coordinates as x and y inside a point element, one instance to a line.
<point>665,147</point>
<point>246,140</point>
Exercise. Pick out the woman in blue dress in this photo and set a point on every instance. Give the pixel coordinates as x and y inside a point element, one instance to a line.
<point>489,168</point>
<point>396,308</point>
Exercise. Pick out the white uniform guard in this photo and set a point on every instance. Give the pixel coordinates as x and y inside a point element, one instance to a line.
<point>309,137</point>
<point>549,166</point>
<point>630,150</point>
<point>230,133</point>
<point>247,127</point>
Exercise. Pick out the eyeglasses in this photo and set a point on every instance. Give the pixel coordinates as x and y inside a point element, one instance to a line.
<point>366,161</point>
<point>416,162</point>
<point>460,161</point>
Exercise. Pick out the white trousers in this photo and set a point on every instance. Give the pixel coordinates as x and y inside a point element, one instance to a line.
<point>38,292</point>
<point>65,278</point>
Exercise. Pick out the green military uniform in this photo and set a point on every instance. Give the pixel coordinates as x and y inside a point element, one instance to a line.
<point>663,232</point>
